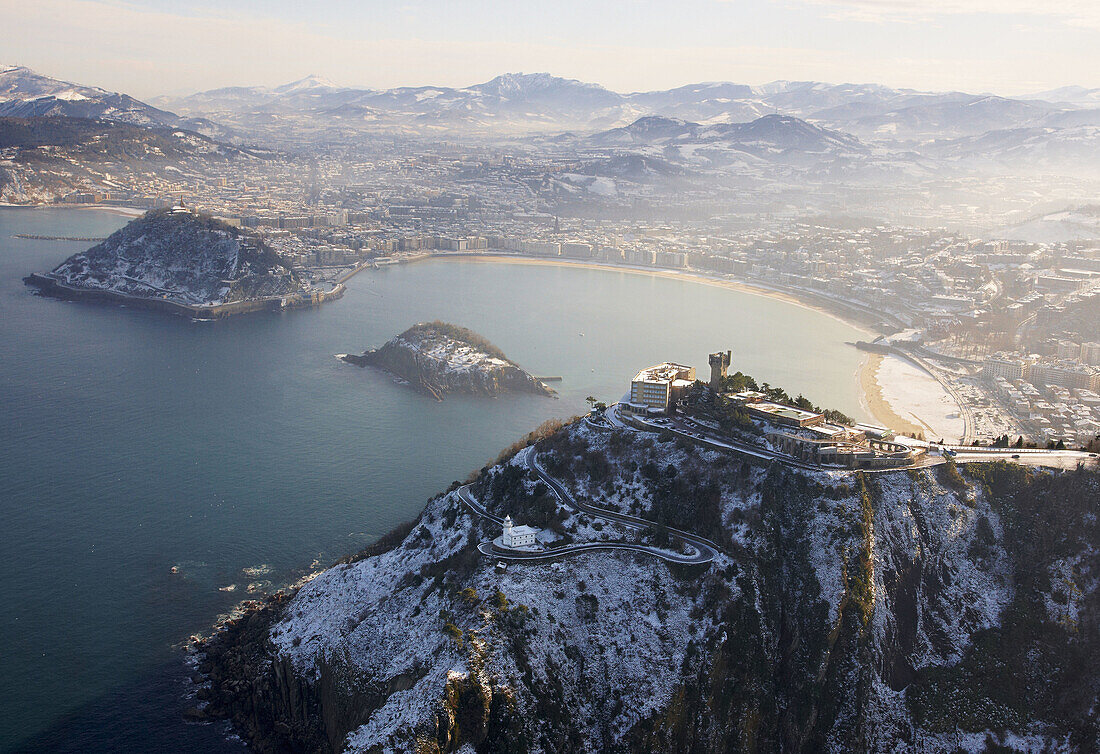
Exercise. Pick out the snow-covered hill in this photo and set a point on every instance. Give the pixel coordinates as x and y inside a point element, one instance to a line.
<point>27,94</point>
<point>176,255</point>
<point>440,358</point>
<point>45,158</point>
<point>909,611</point>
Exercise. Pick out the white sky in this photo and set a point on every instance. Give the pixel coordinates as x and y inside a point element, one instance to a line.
<point>147,47</point>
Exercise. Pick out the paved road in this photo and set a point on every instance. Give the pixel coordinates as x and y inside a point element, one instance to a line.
<point>467,498</point>
<point>705,550</point>
<point>1055,459</point>
<point>702,434</point>
<point>1059,459</point>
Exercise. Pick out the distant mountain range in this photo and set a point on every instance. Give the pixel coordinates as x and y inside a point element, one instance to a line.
<point>541,102</point>
<point>864,132</point>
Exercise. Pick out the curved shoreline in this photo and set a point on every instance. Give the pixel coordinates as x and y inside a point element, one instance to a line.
<point>754,289</point>
<point>867,376</point>
<point>870,392</point>
<point>108,208</point>
<point>875,401</point>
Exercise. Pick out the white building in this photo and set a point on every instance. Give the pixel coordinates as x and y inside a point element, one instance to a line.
<point>517,536</point>
<point>659,387</point>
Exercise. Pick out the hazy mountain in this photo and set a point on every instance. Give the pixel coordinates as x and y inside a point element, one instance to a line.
<point>651,129</point>
<point>215,100</point>
<point>702,102</point>
<point>27,94</point>
<point>810,97</point>
<point>48,157</point>
<point>1065,150</point>
<point>778,119</point>
<point>310,83</point>
<point>771,133</point>
<point>542,102</point>
<point>1072,95</point>
<point>546,89</point>
<point>952,116</point>
<point>1073,118</point>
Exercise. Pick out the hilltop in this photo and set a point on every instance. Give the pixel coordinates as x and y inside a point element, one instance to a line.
<point>173,255</point>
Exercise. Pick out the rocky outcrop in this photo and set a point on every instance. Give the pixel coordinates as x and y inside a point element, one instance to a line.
<point>177,256</point>
<point>439,358</point>
<point>927,610</point>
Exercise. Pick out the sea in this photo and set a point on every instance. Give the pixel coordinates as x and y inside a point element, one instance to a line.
<point>156,471</point>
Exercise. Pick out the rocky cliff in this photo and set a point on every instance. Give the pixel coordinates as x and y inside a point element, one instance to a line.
<point>935,611</point>
<point>180,256</point>
<point>440,358</point>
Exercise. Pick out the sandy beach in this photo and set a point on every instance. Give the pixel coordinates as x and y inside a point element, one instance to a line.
<point>905,398</point>
<point>123,211</point>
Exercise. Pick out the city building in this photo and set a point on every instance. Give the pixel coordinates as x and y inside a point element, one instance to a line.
<point>775,413</point>
<point>1069,374</point>
<point>1004,367</point>
<point>657,388</point>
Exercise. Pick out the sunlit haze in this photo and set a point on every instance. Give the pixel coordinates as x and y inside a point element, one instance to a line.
<point>508,377</point>
<point>152,47</point>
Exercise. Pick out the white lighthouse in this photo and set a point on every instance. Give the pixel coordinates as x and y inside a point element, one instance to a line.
<point>517,536</point>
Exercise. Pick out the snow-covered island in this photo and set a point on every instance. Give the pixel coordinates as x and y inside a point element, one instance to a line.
<point>440,358</point>
<point>937,610</point>
<point>180,261</point>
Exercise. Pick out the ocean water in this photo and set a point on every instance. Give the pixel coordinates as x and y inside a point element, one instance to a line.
<point>240,454</point>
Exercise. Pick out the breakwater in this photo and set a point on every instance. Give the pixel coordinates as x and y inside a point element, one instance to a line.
<point>83,239</point>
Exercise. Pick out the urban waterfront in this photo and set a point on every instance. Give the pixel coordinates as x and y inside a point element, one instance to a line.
<point>240,453</point>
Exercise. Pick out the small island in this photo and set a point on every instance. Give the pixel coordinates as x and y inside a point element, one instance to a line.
<point>183,262</point>
<point>439,358</point>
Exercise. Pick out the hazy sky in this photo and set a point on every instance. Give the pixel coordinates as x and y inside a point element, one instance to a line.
<point>148,47</point>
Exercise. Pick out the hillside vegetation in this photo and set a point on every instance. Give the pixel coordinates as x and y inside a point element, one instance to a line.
<point>846,612</point>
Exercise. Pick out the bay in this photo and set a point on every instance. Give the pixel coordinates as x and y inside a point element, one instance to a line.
<point>241,453</point>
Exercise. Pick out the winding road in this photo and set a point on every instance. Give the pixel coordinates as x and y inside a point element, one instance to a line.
<point>704,549</point>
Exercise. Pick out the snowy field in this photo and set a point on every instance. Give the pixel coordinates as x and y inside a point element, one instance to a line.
<point>914,394</point>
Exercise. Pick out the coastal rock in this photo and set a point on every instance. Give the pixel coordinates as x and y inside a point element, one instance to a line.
<point>440,358</point>
<point>927,610</point>
<point>177,256</point>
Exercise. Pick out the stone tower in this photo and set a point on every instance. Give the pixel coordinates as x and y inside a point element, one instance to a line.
<point>719,362</point>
